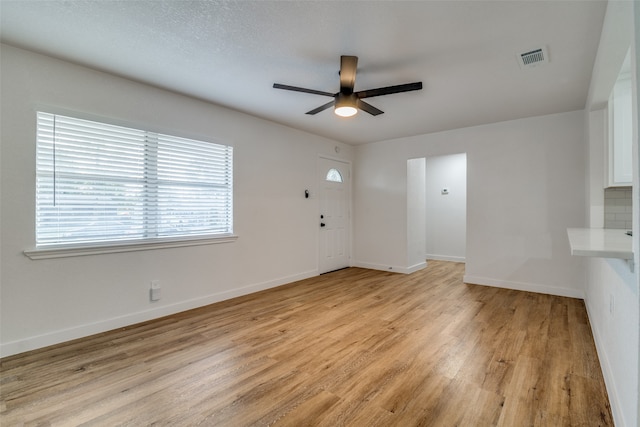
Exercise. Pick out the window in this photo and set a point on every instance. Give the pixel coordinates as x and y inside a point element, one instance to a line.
<point>102,184</point>
<point>334,175</point>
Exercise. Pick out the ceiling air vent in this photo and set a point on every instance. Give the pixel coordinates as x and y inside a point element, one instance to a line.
<point>533,58</point>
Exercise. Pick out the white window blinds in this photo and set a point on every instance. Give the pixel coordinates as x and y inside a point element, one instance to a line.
<point>100,183</point>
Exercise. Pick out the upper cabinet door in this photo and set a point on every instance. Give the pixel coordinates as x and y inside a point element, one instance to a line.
<point>621,129</point>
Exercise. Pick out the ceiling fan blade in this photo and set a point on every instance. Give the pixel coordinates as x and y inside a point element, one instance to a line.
<point>348,66</point>
<point>322,107</point>
<point>301,89</point>
<point>389,90</point>
<point>369,108</point>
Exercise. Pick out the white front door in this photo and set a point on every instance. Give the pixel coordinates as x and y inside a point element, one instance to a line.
<point>334,183</point>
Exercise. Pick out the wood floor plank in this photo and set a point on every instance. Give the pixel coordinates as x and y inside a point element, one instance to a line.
<point>309,412</point>
<point>522,395</point>
<point>420,410</point>
<point>349,348</point>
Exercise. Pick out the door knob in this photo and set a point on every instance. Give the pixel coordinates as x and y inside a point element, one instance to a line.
<point>322,224</point>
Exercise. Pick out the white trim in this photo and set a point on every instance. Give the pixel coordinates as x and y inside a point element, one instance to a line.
<point>63,335</point>
<point>416,267</point>
<point>607,372</point>
<point>391,268</point>
<point>446,258</point>
<point>335,159</point>
<point>521,286</point>
<point>109,248</point>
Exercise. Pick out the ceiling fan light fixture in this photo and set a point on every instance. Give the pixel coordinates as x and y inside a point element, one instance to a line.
<point>346,111</point>
<point>346,105</point>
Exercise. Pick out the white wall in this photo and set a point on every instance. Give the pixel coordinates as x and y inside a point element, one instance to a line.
<point>380,209</point>
<point>48,301</point>
<point>446,214</point>
<point>615,333</point>
<point>597,135</point>
<point>416,205</point>
<point>611,280</point>
<point>525,186</point>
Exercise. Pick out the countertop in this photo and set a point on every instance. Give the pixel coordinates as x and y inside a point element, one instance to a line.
<point>600,242</point>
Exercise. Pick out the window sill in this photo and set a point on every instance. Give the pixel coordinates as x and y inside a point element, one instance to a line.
<point>132,246</point>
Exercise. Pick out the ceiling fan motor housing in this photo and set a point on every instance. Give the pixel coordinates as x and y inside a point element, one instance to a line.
<point>344,100</point>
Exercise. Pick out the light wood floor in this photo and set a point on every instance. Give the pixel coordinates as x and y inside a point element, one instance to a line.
<point>354,347</point>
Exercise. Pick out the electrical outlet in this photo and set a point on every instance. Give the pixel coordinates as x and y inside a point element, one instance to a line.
<point>611,304</point>
<point>155,293</point>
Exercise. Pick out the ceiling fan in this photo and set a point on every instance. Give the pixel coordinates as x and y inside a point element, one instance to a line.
<point>346,103</point>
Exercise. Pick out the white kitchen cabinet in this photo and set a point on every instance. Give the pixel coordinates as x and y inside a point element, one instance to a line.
<point>619,163</point>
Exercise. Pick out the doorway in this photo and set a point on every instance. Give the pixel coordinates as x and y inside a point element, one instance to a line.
<point>446,207</point>
<point>334,186</point>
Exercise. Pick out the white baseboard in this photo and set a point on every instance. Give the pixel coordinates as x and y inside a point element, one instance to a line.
<point>520,286</point>
<point>446,258</point>
<point>63,335</point>
<point>416,267</point>
<point>391,268</point>
<point>607,372</point>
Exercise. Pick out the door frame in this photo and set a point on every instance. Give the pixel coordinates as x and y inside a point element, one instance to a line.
<point>349,188</point>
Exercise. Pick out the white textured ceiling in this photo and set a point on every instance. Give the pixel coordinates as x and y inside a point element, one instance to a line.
<point>232,52</point>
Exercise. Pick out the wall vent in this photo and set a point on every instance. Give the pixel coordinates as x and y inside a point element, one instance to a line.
<point>533,57</point>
